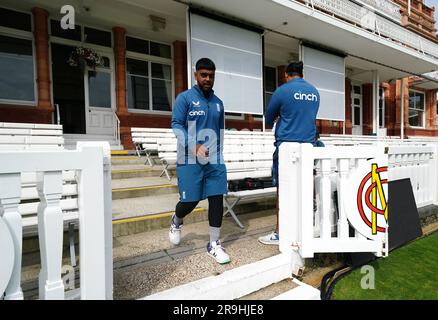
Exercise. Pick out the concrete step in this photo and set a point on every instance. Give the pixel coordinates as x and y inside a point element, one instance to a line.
<point>140,214</point>
<point>127,171</point>
<point>142,187</point>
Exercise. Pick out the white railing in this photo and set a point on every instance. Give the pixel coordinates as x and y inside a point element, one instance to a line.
<point>367,19</point>
<point>386,7</point>
<point>116,128</point>
<point>92,165</point>
<point>418,163</point>
<point>298,228</point>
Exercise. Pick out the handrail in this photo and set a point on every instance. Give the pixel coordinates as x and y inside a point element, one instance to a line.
<point>117,129</point>
<point>58,116</point>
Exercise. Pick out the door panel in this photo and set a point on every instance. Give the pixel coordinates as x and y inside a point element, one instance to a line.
<point>99,100</point>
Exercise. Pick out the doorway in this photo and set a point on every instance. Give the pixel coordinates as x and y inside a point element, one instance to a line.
<point>68,90</point>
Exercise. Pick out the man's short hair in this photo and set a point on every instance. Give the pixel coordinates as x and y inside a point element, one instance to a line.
<point>295,69</point>
<point>205,63</point>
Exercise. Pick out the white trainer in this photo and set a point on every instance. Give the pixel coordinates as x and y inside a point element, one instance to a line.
<point>216,251</point>
<point>271,238</point>
<point>175,233</point>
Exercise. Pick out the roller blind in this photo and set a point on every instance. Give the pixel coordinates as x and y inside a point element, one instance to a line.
<point>327,73</point>
<point>237,54</point>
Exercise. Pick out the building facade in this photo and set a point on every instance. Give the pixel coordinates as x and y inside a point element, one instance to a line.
<point>144,49</point>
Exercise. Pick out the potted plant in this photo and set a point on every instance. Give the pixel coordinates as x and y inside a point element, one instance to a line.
<point>82,57</point>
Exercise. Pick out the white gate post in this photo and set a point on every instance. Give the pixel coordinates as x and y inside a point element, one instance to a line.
<point>343,167</point>
<point>306,199</point>
<point>10,194</point>
<point>50,234</point>
<point>92,238</point>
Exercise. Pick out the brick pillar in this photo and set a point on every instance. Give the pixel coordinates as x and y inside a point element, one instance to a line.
<point>430,108</point>
<point>367,109</point>
<point>180,66</point>
<point>119,56</point>
<point>398,105</point>
<point>41,35</point>
<point>281,70</point>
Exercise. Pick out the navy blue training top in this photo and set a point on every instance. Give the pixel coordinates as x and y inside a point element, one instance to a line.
<point>197,119</point>
<point>296,103</point>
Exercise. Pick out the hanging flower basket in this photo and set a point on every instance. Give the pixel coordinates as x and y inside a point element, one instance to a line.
<point>83,57</point>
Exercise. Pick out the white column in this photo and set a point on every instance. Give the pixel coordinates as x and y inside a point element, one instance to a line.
<point>92,237</point>
<point>10,192</point>
<point>50,234</point>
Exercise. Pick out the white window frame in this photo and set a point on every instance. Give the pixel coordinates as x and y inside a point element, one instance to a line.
<point>82,43</point>
<point>25,35</point>
<point>152,59</point>
<point>424,110</point>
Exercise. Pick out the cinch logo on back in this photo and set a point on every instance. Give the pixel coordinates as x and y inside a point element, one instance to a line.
<point>305,96</point>
<point>197,113</point>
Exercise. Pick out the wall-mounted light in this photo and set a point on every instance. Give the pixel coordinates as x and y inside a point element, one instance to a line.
<point>158,23</point>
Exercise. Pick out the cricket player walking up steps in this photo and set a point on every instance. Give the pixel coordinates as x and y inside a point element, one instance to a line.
<point>198,123</point>
<point>294,106</point>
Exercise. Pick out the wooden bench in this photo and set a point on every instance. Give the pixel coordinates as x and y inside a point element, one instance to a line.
<point>40,137</point>
<point>247,154</point>
<point>145,139</point>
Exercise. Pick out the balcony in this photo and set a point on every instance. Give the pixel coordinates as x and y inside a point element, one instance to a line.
<point>385,7</point>
<point>369,20</point>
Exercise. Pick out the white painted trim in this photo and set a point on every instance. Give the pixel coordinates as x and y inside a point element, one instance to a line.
<point>302,292</point>
<point>231,284</point>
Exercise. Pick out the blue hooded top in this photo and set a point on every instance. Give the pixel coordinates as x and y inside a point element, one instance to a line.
<point>197,119</point>
<point>296,103</point>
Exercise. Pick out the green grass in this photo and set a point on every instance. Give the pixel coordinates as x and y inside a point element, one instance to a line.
<point>408,273</point>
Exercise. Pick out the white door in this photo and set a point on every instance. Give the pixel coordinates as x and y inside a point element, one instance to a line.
<point>99,100</point>
<point>356,109</point>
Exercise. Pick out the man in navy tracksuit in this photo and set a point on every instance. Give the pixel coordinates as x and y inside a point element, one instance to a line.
<point>198,123</point>
<point>293,108</point>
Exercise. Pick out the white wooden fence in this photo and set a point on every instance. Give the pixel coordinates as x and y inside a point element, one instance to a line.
<point>92,164</point>
<point>326,228</point>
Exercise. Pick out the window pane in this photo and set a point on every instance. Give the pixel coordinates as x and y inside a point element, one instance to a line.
<point>356,101</point>
<point>161,50</point>
<point>357,89</point>
<point>99,88</point>
<point>14,19</point>
<point>270,79</point>
<point>138,93</point>
<point>161,95</point>
<point>161,71</point>
<point>357,116</point>
<point>16,69</point>
<point>72,34</point>
<point>137,45</point>
<point>137,67</point>
<point>98,37</point>
<point>415,118</point>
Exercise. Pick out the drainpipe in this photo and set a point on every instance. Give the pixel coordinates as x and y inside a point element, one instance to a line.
<point>409,7</point>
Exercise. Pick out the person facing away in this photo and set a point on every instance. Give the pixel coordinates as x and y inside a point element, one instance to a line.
<point>293,107</point>
<point>198,122</point>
